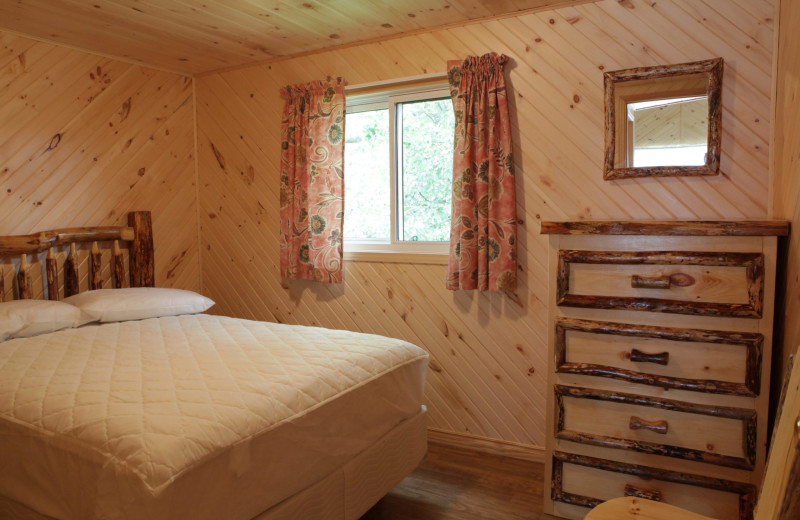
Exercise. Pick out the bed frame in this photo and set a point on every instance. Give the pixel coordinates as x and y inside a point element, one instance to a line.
<point>137,237</point>
<point>345,494</point>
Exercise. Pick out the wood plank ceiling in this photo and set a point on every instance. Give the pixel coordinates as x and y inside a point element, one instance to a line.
<point>196,36</point>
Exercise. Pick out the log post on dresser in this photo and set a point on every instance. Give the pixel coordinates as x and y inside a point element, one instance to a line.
<point>660,344</point>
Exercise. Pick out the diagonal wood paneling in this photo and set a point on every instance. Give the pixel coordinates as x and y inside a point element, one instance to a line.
<point>488,363</point>
<point>85,139</point>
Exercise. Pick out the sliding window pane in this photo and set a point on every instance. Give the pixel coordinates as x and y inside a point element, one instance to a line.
<point>367,181</point>
<point>425,177</point>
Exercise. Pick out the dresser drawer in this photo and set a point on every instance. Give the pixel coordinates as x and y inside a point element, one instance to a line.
<point>714,434</point>
<point>698,283</point>
<point>711,361</point>
<point>588,481</point>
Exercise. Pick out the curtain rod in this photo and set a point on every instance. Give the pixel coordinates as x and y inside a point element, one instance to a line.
<point>412,79</point>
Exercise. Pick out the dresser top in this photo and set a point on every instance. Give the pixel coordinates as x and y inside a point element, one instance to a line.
<point>668,227</point>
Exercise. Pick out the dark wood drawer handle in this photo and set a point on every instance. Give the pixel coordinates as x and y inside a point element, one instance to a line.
<point>637,356</point>
<point>650,282</point>
<point>649,494</point>
<point>637,423</point>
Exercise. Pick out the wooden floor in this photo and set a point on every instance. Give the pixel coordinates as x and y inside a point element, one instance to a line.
<point>465,485</point>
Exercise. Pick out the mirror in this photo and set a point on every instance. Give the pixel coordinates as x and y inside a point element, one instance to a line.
<point>664,120</point>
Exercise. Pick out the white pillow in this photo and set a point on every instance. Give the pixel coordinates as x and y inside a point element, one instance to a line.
<point>10,321</point>
<point>23,318</point>
<point>138,303</point>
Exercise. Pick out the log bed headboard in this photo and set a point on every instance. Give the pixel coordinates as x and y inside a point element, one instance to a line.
<point>137,236</point>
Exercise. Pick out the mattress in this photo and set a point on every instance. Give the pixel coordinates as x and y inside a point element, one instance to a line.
<point>192,416</point>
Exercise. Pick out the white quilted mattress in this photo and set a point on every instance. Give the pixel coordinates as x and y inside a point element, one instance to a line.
<point>192,416</point>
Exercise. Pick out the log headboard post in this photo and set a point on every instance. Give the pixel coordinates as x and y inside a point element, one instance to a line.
<point>141,255</point>
<point>137,237</point>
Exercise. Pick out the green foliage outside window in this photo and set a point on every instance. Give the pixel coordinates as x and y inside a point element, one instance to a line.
<point>424,184</point>
<point>427,166</point>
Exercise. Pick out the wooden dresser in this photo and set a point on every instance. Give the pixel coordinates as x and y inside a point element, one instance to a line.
<point>659,361</point>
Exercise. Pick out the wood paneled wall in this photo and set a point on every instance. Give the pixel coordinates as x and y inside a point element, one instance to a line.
<point>487,372</point>
<point>84,139</point>
<point>787,163</point>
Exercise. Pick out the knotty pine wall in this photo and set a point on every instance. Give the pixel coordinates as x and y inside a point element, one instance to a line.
<point>488,365</point>
<point>84,139</point>
<point>787,165</point>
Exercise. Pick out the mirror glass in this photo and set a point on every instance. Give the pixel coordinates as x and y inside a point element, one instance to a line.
<point>663,121</point>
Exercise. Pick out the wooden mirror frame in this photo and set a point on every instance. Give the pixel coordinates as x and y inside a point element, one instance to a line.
<point>713,68</point>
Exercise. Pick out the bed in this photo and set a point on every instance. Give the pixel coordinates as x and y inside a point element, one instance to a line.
<point>155,410</point>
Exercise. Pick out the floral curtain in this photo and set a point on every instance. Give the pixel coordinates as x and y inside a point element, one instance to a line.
<point>312,181</point>
<point>483,234</point>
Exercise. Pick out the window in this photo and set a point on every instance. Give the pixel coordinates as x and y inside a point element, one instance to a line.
<point>398,171</point>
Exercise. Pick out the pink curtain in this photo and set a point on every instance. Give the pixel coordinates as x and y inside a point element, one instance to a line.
<point>483,234</point>
<point>312,181</point>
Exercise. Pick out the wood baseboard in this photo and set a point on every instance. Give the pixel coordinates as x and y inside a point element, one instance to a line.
<point>514,450</point>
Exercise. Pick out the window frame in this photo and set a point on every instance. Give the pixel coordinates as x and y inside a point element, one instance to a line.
<point>392,97</point>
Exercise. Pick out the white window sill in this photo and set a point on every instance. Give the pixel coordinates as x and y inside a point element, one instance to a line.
<point>396,257</point>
